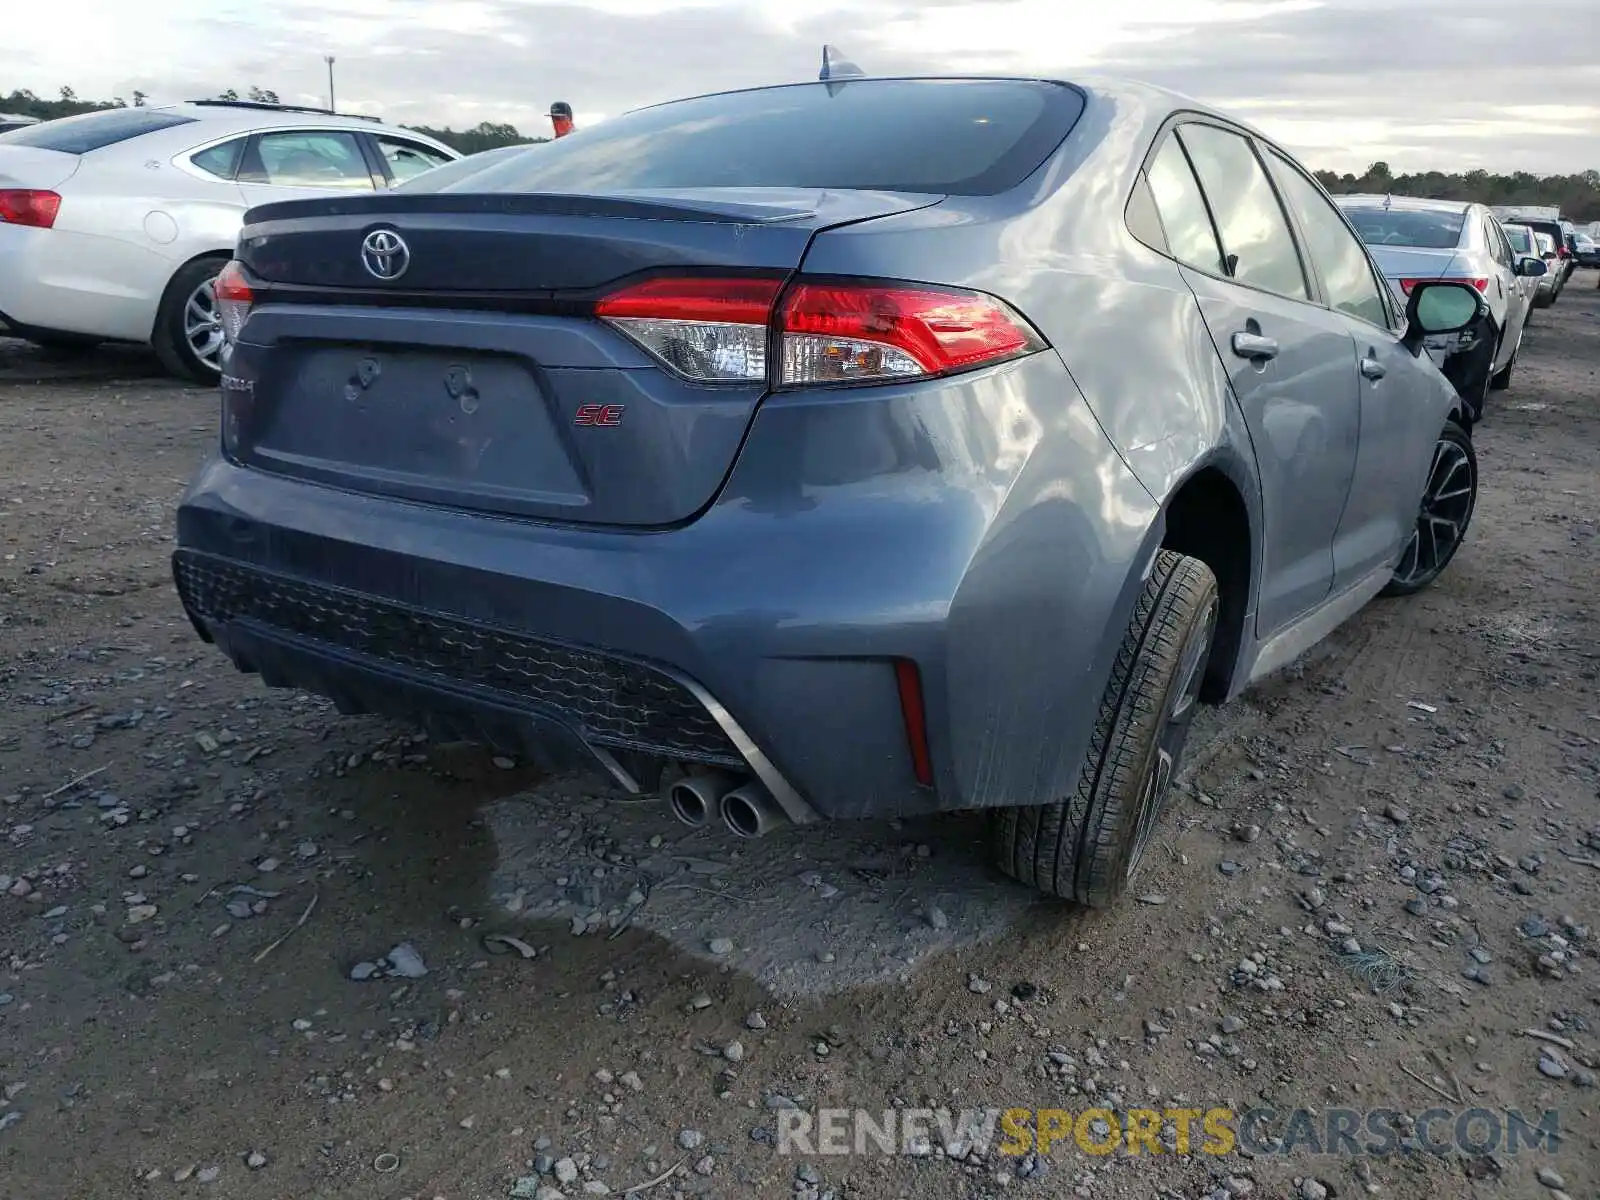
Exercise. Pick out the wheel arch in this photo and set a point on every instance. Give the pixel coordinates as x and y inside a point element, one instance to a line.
<point>1213,513</point>
<point>178,268</point>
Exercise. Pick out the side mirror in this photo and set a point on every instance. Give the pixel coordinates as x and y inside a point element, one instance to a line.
<point>1532,267</point>
<point>1438,307</point>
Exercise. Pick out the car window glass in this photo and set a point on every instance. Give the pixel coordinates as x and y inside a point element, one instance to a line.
<point>1497,247</point>
<point>1426,229</point>
<point>1190,236</point>
<point>1143,220</point>
<point>970,137</point>
<point>1341,260</point>
<point>315,160</point>
<point>92,131</point>
<point>1255,236</point>
<point>408,159</point>
<point>221,161</point>
<point>1518,236</point>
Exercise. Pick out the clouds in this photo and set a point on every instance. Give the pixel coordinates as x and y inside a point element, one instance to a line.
<point>1435,83</point>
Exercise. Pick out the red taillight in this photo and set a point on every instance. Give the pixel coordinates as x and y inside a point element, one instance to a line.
<point>29,206</point>
<point>1481,284</point>
<point>234,297</point>
<point>851,332</point>
<point>717,329</point>
<point>909,681</point>
<point>735,301</point>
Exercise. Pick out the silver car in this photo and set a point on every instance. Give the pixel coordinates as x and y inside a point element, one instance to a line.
<point>1526,242</point>
<point>1413,240</point>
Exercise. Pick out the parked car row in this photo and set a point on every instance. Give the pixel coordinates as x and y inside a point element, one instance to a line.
<point>115,224</point>
<point>1517,265</point>
<point>849,448</point>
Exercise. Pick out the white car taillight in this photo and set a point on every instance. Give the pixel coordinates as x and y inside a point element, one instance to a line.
<point>708,330</point>
<point>234,299</point>
<point>830,332</point>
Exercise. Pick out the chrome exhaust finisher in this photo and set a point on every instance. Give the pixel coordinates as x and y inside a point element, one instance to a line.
<point>695,797</point>
<point>750,811</point>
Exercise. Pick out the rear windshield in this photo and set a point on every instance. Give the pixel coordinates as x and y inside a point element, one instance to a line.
<point>1520,237</point>
<point>961,137</point>
<point>92,131</point>
<point>1425,229</point>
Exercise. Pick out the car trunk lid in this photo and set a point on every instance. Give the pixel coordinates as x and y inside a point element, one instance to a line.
<point>456,360</point>
<point>29,167</point>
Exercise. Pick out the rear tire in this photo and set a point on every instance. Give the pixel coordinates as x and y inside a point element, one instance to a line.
<point>186,340</point>
<point>1086,847</point>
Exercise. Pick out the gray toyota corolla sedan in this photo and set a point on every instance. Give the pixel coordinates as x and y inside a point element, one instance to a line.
<point>844,449</point>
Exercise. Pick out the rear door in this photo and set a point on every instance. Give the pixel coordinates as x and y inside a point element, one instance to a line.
<point>1398,420</point>
<point>1292,362</point>
<point>1505,288</point>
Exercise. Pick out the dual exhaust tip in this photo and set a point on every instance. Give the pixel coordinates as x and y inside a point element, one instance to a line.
<point>743,803</point>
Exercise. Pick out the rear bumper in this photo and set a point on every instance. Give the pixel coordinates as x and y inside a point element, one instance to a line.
<point>981,528</point>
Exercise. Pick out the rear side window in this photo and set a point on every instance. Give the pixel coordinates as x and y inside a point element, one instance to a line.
<point>1498,246</point>
<point>221,161</point>
<point>1177,195</point>
<point>1255,237</point>
<point>955,136</point>
<point>92,131</point>
<point>1424,229</point>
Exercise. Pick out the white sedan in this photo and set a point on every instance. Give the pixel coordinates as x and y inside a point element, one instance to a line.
<point>114,224</point>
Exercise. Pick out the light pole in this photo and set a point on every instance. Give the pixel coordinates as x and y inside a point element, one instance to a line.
<point>328,58</point>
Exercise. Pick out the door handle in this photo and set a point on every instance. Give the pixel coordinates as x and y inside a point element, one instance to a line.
<point>1372,368</point>
<point>1254,346</point>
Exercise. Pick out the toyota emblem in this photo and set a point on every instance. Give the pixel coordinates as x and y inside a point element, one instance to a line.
<point>385,254</point>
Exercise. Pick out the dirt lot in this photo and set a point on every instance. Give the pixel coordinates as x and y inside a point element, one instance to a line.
<point>1382,871</point>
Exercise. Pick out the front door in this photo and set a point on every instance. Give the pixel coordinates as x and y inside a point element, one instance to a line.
<point>1395,388</point>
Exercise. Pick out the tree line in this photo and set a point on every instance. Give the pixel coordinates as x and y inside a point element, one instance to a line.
<point>1578,196</point>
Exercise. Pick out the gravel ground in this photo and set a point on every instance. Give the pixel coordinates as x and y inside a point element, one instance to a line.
<point>1381,872</point>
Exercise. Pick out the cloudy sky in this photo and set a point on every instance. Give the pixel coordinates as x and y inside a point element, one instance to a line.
<point>1447,84</point>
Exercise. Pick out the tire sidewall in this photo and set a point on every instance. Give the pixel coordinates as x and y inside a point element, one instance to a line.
<point>1103,880</point>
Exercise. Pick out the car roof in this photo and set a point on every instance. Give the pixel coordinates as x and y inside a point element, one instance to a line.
<point>225,115</point>
<point>1407,203</point>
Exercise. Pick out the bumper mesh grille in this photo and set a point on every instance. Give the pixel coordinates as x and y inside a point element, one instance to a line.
<point>609,701</point>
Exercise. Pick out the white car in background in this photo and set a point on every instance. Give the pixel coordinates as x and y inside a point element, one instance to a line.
<point>114,224</point>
